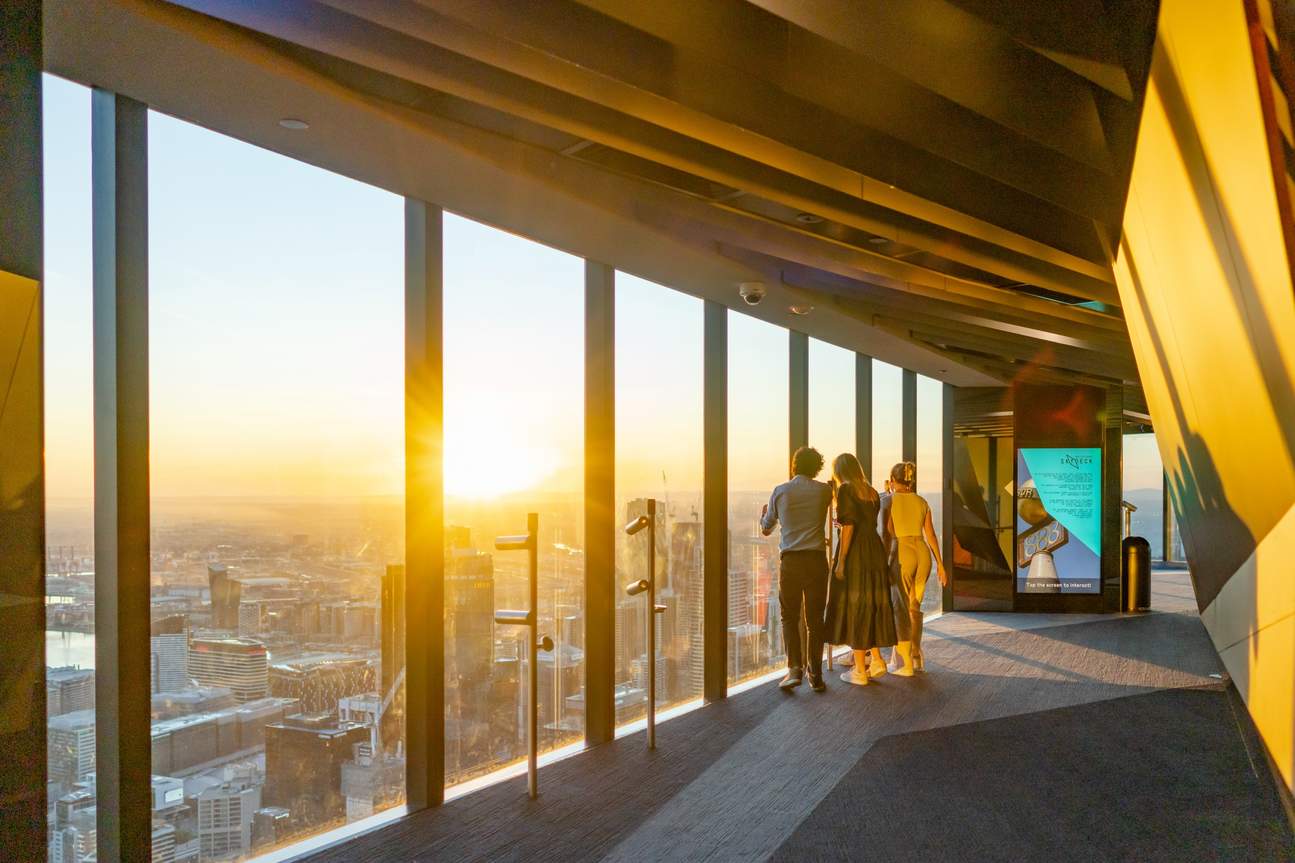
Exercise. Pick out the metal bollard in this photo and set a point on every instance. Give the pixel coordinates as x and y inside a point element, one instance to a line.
<point>648,586</point>
<point>529,542</point>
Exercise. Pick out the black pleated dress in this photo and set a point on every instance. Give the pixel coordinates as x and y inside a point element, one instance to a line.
<point>859,612</point>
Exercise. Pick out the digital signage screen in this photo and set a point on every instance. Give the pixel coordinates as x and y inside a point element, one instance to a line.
<point>1058,520</point>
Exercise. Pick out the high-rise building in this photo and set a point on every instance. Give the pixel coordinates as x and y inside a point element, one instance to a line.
<point>251,617</point>
<point>163,842</point>
<point>686,564</point>
<point>68,689</point>
<point>304,755</point>
<point>71,747</point>
<point>319,681</point>
<point>169,653</point>
<point>74,841</point>
<point>226,595</point>
<point>469,607</point>
<point>391,608</point>
<point>224,819</point>
<point>238,664</point>
<point>371,782</point>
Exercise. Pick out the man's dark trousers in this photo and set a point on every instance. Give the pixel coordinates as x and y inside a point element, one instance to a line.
<point>802,582</point>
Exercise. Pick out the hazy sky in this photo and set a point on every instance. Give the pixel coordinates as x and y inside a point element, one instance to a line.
<point>276,310</point>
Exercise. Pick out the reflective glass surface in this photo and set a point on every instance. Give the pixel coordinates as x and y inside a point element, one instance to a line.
<point>276,433</point>
<point>514,432</point>
<point>758,460</point>
<point>658,456</point>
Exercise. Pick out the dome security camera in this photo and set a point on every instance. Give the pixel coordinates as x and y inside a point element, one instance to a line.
<point>752,292</point>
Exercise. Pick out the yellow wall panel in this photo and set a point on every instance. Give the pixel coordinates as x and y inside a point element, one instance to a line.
<point>1206,289</point>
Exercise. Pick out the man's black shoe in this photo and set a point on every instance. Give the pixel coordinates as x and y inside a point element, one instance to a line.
<point>791,681</point>
<point>816,683</point>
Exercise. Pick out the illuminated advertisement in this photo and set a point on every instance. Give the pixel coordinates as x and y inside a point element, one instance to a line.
<point>1058,520</point>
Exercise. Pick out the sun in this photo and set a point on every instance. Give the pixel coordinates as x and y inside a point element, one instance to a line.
<point>487,460</point>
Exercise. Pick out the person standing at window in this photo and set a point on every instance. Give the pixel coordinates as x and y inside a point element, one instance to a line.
<point>914,531</point>
<point>800,506</point>
<point>859,611</point>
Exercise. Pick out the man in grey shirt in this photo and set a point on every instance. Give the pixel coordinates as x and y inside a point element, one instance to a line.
<point>800,505</point>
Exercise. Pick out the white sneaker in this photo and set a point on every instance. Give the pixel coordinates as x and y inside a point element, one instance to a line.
<point>849,677</point>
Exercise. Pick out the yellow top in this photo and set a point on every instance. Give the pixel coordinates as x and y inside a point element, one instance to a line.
<point>908,512</point>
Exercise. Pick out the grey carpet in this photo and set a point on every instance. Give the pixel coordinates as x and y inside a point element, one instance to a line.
<point>731,781</point>
<point>1165,776</point>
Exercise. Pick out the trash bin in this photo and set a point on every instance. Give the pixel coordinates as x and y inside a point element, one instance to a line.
<point>1135,587</point>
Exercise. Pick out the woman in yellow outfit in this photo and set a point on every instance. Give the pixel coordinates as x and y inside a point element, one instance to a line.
<point>909,522</point>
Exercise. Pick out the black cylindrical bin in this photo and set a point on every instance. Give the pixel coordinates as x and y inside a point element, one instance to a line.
<point>1135,590</point>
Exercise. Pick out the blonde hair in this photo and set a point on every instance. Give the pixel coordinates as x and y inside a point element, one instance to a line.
<point>904,473</point>
<point>846,468</point>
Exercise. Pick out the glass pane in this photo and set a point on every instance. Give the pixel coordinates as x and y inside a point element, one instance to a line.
<point>276,333</point>
<point>69,471</point>
<point>758,460</point>
<point>887,420</point>
<point>1144,488</point>
<point>659,455</point>
<point>514,432</point>
<point>930,471</point>
<point>831,401</point>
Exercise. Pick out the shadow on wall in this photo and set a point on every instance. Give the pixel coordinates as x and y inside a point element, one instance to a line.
<point>1214,341</point>
<point>1196,487</point>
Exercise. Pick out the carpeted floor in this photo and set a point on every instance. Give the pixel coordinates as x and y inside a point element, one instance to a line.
<point>1158,777</point>
<point>1010,704</point>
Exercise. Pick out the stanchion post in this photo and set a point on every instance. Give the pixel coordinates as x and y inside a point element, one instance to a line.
<point>534,643</point>
<point>648,586</point>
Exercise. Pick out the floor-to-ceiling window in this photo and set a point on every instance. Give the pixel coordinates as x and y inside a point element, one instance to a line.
<point>1144,488</point>
<point>887,420</point>
<point>277,481</point>
<point>930,471</point>
<point>831,401</point>
<point>758,460</point>
<point>658,456</point>
<point>69,471</point>
<point>514,432</point>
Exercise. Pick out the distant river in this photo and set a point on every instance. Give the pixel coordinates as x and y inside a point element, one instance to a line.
<point>69,648</point>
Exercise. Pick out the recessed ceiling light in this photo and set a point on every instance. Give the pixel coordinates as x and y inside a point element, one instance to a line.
<point>800,310</point>
<point>294,123</point>
<point>877,241</point>
<point>808,218</point>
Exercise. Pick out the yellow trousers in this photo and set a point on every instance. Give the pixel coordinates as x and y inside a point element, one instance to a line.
<point>914,570</point>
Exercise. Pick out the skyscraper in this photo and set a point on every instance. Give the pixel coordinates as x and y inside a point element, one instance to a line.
<point>68,689</point>
<point>169,653</point>
<point>304,755</point>
<point>225,814</point>
<point>226,594</point>
<point>319,681</point>
<point>238,664</point>
<point>392,644</point>
<point>71,747</point>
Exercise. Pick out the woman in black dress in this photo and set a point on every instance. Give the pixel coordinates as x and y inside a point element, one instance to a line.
<point>859,612</point>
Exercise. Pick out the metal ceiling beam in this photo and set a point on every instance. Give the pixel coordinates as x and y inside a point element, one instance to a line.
<point>819,73</point>
<point>995,76</point>
<point>746,116</point>
<point>1055,356</point>
<point>399,55</point>
<point>239,85</point>
<point>814,262</point>
<point>801,257</point>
